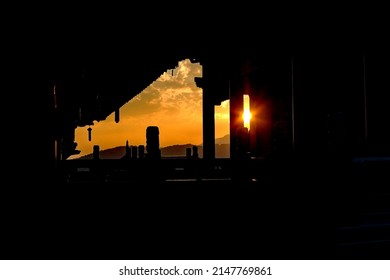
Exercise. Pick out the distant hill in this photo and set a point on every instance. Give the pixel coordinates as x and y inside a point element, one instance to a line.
<point>221,151</point>
<point>223,140</point>
<point>176,150</point>
<point>112,153</point>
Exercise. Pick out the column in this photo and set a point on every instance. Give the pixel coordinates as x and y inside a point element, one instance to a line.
<point>236,116</point>
<point>208,117</point>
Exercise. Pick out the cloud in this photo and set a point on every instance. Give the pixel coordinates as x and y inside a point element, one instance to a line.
<point>143,104</point>
<point>169,94</point>
<point>182,75</point>
<point>222,111</point>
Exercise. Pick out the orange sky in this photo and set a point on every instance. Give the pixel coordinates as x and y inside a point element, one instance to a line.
<point>172,102</point>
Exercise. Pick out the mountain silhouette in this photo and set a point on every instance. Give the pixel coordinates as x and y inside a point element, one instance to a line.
<point>112,153</point>
<point>222,150</point>
<point>223,140</point>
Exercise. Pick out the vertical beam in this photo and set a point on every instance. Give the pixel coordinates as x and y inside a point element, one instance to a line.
<point>116,115</point>
<point>292,106</point>
<point>54,145</point>
<point>263,118</point>
<point>255,106</point>
<point>208,117</point>
<point>96,151</point>
<point>153,142</point>
<point>236,116</point>
<point>365,102</point>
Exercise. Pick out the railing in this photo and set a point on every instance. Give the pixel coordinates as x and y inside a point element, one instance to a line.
<point>109,170</point>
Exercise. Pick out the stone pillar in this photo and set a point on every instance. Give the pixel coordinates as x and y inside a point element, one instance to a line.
<point>141,151</point>
<point>208,118</point>
<point>261,123</point>
<point>242,150</point>
<point>255,123</point>
<point>96,150</point>
<point>236,116</point>
<point>188,153</point>
<point>195,153</point>
<point>134,152</point>
<point>153,142</point>
<point>127,150</point>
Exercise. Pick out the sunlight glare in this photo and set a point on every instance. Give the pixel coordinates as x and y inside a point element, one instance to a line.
<point>247,118</point>
<point>247,113</point>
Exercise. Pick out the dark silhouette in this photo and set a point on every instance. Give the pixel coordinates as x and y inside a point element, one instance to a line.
<point>195,152</point>
<point>127,151</point>
<point>134,152</point>
<point>141,151</point>
<point>153,142</point>
<point>116,115</point>
<point>96,151</point>
<point>174,151</point>
<point>315,183</point>
<point>188,153</point>
<point>89,134</point>
<point>242,143</point>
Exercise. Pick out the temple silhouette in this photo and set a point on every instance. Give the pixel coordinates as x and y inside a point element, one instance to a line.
<point>306,181</point>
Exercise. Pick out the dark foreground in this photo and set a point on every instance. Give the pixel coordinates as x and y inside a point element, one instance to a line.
<point>280,210</point>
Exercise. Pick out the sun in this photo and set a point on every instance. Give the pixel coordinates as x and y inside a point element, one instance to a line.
<point>246,115</point>
<point>247,118</point>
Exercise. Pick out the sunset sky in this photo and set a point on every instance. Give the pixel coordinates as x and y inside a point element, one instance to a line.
<point>172,102</point>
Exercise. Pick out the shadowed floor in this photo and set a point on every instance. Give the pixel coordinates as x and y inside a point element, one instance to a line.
<point>299,212</point>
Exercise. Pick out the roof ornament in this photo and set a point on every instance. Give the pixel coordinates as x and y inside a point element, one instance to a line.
<point>89,133</point>
<point>116,115</point>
